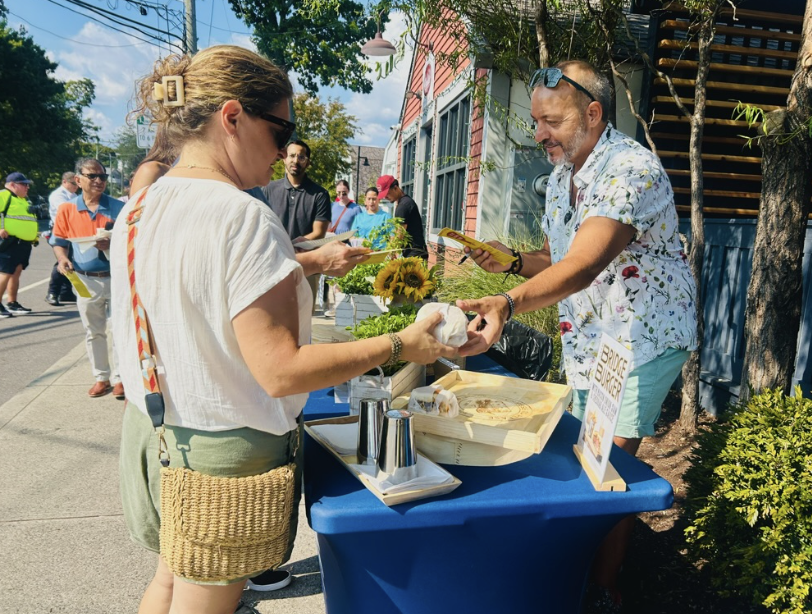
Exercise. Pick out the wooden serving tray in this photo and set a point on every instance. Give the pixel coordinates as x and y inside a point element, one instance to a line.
<point>500,411</point>
<point>388,499</point>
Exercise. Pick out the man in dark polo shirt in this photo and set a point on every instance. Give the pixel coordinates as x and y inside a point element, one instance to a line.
<point>301,204</point>
<point>408,211</point>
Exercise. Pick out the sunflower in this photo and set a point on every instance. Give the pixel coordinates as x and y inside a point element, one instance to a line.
<point>413,280</point>
<point>386,280</point>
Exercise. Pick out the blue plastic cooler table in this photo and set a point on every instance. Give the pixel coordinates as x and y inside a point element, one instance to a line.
<point>514,539</point>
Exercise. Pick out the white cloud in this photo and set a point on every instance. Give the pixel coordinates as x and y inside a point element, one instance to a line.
<point>243,40</point>
<point>107,126</point>
<point>113,69</point>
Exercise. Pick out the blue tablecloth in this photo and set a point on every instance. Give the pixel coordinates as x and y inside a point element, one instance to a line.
<point>515,539</point>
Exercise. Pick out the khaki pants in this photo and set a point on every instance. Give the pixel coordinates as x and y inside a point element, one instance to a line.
<point>95,315</point>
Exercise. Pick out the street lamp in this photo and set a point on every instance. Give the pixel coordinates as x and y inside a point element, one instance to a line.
<point>358,172</point>
<point>378,46</point>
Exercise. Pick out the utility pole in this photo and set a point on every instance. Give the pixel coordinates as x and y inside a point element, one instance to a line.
<point>357,174</point>
<point>190,28</point>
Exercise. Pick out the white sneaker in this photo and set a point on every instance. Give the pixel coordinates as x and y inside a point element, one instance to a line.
<point>271,580</point>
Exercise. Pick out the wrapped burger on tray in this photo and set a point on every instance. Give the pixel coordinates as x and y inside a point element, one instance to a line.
<point>435,401</point>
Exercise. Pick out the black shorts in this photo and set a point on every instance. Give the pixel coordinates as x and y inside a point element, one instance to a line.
<point>17,255</point>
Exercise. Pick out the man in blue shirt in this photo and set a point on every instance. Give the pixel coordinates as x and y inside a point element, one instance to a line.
<point>83,218</point>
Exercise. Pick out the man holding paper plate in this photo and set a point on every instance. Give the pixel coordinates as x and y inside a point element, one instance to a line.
<point>85,222</point>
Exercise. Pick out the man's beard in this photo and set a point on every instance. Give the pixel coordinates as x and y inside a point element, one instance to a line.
<point>570,149</point>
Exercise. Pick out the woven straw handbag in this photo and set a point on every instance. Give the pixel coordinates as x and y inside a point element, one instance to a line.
<point>212,528</point>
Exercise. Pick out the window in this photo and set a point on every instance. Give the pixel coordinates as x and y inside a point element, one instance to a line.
<point>453,147</point>
<point>427,172</point>
<point>407,168</point>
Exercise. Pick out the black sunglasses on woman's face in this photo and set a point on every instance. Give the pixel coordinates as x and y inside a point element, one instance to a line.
<point>549,77</point>
<point>281,136</point>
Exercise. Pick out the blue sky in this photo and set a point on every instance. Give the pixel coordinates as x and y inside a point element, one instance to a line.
<point>114,61</point>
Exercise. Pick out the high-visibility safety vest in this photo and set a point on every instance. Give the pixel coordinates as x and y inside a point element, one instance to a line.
<point>17,220</point>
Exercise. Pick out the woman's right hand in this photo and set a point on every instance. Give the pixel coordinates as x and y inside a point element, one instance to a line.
<point>419,344</point>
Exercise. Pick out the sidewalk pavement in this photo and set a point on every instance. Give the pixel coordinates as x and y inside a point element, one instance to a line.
<point>63,544</point>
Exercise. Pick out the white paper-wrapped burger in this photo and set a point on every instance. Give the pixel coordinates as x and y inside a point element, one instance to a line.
<point>452,330</point>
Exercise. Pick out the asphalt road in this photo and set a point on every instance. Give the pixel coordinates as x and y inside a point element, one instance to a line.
<point>32,343</point>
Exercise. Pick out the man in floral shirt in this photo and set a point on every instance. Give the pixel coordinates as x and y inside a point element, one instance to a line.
<point>612,258</point>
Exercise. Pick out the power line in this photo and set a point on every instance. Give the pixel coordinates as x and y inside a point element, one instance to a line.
<point>154,39</point>
<point>203,23</point>
<point>115,16</point>
<point>73,40</point>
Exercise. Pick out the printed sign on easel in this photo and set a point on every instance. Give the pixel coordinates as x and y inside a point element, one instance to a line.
<point>606,389</point>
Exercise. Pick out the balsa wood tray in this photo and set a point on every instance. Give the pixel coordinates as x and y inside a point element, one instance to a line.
<point>506,412</point>
<point>389,499</point>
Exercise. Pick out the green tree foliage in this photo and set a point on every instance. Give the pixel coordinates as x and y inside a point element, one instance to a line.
<point>322,48</point>
<point>127,151</point>
<point>750,502</point>
<point>327,129</point>
<point>40,117</point>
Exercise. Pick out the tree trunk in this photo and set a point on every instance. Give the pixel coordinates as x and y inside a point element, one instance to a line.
<point>541,33</point>
<point>773,314</point>
<point>696,256</point>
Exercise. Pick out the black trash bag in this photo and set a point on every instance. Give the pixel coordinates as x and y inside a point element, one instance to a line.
<point>523,350</point>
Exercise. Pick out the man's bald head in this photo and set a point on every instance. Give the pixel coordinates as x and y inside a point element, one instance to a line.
<point>592,80</point>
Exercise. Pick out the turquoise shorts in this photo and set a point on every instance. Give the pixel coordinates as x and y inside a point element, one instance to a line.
<point>646,389</point>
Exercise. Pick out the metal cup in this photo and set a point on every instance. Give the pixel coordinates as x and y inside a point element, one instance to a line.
<point>369,429</point>
<point>397,460</point>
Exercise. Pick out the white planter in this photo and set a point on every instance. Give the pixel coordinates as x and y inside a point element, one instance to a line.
<point>352,308</point>
<point>404,381</point>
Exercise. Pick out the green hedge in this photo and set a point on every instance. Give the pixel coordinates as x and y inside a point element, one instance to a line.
<point>750,502</point>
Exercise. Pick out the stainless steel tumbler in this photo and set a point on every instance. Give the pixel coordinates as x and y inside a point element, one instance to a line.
<point>397,460</point>
<point>369,429</point>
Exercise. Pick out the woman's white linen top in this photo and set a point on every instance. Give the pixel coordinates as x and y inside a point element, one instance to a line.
<point>204,252</point>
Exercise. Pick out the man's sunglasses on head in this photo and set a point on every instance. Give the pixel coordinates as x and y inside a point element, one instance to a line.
<point>92,176</point>
<point>550,77</point>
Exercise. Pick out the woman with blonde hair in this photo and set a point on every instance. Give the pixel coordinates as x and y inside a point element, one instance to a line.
<point>212,310</point>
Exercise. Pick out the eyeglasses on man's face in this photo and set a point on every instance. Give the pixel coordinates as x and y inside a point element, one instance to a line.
<point>94,176</point>
<point>550,77</point>
<point>297,157</point>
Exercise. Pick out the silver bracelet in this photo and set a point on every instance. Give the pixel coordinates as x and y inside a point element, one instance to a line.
<point>397,348</point>
<point>511,305</point>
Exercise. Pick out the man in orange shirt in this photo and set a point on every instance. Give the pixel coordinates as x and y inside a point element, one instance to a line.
<point>92,211</point>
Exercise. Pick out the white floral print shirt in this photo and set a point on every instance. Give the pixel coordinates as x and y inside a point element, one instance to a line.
<point>645,297</point>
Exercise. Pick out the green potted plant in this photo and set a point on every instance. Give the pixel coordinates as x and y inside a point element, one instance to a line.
<point>358,297</point>
<point>386,382</point>
<point>355,300</point>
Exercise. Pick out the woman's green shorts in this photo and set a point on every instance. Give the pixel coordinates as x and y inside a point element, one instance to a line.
<point>234,453</point>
